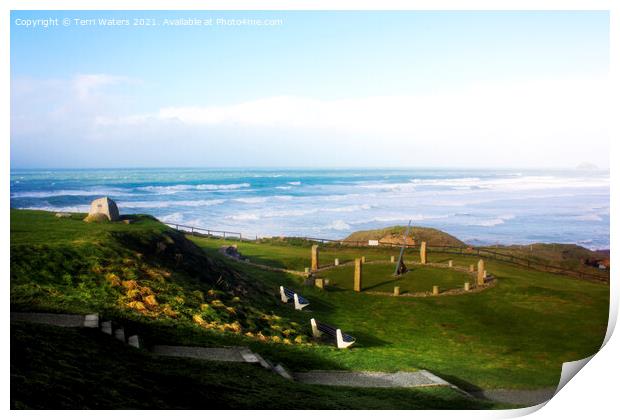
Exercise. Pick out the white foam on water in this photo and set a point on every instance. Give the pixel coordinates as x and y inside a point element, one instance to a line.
<point>500,220</point>
<point>251,200</point>
<point>166,204</point>
<point>67,209</point>
<point>294,183</point>
<point>242,217</point>
<point>173,189</point>
<point>338,225</point>
<point>349,209</point>
<point>58,193</point>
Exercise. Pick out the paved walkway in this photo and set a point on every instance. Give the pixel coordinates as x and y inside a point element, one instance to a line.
<point>370,379</point>
<point>219,354</point>
<point>362,379</point>
<point>516,396</point>
<point>59,320</point>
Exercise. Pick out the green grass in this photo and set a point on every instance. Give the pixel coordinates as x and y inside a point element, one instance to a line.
<point>380,278</point>
<point>297,257</point>
<point>60,368</point>
<point>514,335</point>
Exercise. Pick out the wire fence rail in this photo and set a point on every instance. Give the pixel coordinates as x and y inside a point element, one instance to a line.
<point>204,231</point>
<point>455,250</point>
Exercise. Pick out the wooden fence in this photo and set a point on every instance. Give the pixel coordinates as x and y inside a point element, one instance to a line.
<point>483,252</point>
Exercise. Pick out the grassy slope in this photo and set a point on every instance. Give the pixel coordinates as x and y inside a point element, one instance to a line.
<point>515,335</point>
<point>58,368</point>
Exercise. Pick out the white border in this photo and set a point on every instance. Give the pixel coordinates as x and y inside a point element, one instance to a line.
<point>592,394</point>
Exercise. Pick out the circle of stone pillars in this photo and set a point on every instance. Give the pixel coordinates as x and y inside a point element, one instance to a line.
<point>315,258</point>
<point>357,275</point>
<point>481,273</point>
<point>423,252</point>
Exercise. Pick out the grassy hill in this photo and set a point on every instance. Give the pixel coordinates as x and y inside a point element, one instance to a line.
<point>394,234</point>
<point>568,256</point>
<point>142,270</point>
<point>173,289</point>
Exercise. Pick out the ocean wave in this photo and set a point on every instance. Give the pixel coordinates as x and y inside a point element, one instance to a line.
<point>173,189</point>
<point>251,200</point>
<point>243,217</point>
<point>294,183</point>
<point>592,217</point>
<point>352,208</point>
<point>109,192</point>
<point>165,204</point>
<point>515,183</point>
<point>500,220</point>
<point>283,188</point>
<point>67,209</point>
<point>338,225</point>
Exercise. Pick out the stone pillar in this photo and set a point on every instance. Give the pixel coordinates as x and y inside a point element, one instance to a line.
<point>480,278</point>
<point>435,290</point>
<point>336,261</point>
<point>363,260</point>
<point>306,270</point>
<point>423,252</point>
<point>315,258</point>
<point>450,263</point>
<point>396,291</point>
<point>357,279</point>
<point>320,283</point>
<point>392,259</point>
<point>471,268</point>
<point>466,287</point>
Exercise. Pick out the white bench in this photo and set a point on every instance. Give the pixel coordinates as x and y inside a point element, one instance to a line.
<point>287,295</point>
<point>342,340</point>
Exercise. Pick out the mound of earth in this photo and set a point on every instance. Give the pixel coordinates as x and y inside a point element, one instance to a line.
<point>565,255</point>
<point>417,234</point>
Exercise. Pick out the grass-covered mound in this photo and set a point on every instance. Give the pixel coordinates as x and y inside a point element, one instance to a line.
<point>59,368</point>
<point>380,278</point>
<point>142,270</point>
<point>570,256</point>
<point>394,234</point>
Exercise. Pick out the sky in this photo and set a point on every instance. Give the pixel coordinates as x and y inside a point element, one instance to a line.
<point>318,89</point>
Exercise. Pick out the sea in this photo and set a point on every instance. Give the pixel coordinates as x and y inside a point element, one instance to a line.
<point>480,207</point>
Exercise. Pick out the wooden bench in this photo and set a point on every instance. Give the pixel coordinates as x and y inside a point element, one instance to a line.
<point>342,340</point>
<point>288,295</point>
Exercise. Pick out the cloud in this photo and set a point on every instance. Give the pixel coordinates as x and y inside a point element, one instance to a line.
<point>86,85</point>
<point>537,123</point>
